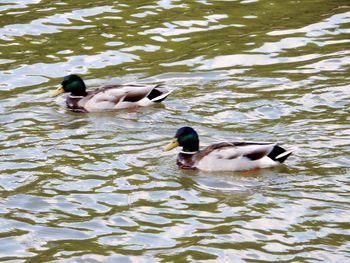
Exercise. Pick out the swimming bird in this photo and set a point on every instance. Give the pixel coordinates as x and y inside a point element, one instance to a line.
<point>225,156</point>
<point>110,97</point>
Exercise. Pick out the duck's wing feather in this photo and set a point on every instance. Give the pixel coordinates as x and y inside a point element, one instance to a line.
<point>105,98</point>
<point>233,150</point>
<point>138,93</point>
<point>146,95</point>
<point>135,93</point>
<point>113,97</point>
<point>130,93</point>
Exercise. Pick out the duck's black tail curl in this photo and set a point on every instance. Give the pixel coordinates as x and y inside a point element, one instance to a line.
<point>279,154</point>
<point>158,94</point>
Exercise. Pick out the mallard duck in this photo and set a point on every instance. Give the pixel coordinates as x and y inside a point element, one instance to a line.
<point>225,156</point>
<point>110,97</point>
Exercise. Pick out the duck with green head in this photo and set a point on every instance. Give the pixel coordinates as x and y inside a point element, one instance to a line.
<point>110,97</point>
<point>225,156</point>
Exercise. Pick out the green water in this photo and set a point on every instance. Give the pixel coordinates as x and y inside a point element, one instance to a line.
<point>99,188</point>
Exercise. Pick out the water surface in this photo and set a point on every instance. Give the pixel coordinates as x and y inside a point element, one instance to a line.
<point>99,188</point>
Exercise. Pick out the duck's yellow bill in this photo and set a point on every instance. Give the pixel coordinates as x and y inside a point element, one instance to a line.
<point>57,92</point>
<point>174,143</point>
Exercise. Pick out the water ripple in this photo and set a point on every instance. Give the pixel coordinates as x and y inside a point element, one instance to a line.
<point>98,187</point>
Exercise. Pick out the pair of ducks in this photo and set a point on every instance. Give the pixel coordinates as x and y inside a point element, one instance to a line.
<point>224,156</point>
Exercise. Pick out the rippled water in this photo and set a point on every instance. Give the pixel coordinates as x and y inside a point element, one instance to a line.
<point>98,188</point>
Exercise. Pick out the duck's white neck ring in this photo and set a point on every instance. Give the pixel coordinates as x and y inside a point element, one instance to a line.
<point>188,152</point>
<point>75,97</point>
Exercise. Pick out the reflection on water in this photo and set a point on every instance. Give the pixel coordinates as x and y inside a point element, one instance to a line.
<point>99,188</point>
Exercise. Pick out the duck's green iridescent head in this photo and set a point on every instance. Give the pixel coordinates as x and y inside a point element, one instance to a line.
<point>73,84</point>
<point>186,137</point>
